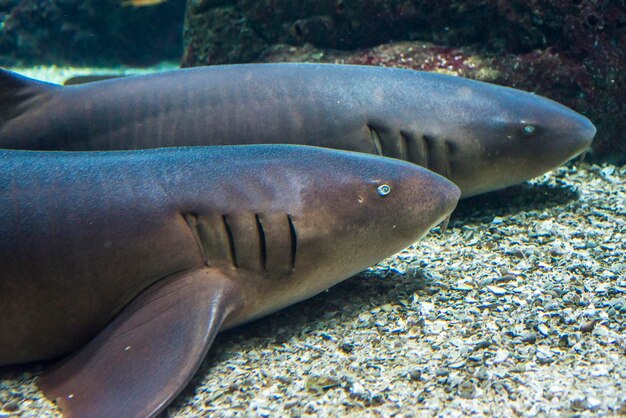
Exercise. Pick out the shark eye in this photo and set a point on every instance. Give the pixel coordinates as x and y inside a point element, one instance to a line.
<point>383,190</point>
<point>529,129</point>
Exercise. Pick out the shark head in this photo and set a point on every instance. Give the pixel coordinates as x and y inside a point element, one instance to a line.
<point>344,212</point>
<point>498,136</point>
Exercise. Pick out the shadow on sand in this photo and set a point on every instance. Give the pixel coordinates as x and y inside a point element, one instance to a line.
<point>510,201</point>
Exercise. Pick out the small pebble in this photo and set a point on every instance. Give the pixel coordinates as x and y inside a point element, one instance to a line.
<point>520,368</point>
<point>593,403</point>
<point>386,308</point>
<point>319,384</point>
<point>588,326</point>
<point>415,374</point>
<point>556,390</point>
<point>466,389</point>
<point>442,372</point>
<point>507,278</point>
<point>464,286</point>
<point>599,370</point>
<point>529,338</point>
<point>482,373</point>
<point>11,406</point>
<point>544,355</point>
<point>482,344</point>
<point>358,391</point>
<point>501,356</point>
<point>347,347</point>
<point>497,290</point>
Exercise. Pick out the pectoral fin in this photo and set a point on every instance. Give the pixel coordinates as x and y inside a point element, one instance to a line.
<point>138,364</point>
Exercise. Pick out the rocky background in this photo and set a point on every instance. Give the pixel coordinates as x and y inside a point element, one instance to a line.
<point>89,32</point>
<point>569,50</point>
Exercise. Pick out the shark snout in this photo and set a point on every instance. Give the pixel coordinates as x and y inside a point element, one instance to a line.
<point>569,132</point>
<point>445,196</point>
<point>430,199</point>
<point>572,137</point>
<point>583,134</point>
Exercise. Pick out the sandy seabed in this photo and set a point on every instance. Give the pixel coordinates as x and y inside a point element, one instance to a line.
<point>518,309</point>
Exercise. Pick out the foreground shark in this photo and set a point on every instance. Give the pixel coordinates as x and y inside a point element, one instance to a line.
<point>133,261</point>
<point>481,136</point>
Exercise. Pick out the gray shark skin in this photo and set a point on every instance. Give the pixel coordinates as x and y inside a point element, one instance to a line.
<point>130,262</point>
<point>481,136</point>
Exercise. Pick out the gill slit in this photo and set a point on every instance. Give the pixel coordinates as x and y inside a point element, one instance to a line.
<point>375,140</point>
<point>294,241</point>
<point>427,143</point>
<point>262,243</point>
<point>191,219</point>
<point>403,145</point>
<point>446,159</point>
<point>231,241</point>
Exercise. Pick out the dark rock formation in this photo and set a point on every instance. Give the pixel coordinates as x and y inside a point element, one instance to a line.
<point>89,32</point>
<point>573,51</point>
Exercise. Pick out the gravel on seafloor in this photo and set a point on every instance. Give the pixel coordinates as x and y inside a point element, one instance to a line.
<point>518,309</point>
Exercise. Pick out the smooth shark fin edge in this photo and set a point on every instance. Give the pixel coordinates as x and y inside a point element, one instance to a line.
<point>144,358</point>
